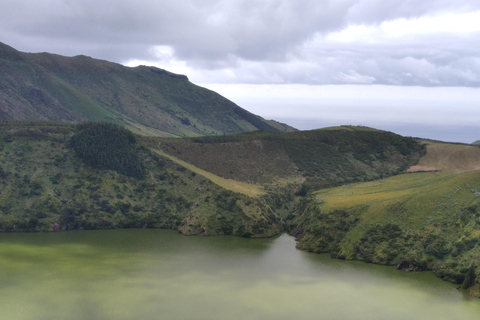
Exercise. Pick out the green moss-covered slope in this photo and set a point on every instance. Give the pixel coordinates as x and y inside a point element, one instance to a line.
<point>46,186</point>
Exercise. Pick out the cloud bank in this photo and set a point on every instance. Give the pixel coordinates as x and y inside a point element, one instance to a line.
<point>395,42</point>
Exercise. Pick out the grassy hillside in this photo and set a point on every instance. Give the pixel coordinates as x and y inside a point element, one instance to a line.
<point>147,100</point>
<point>47,185</point>
<point>319,158</point>
<point>415,221</point>
<point>448,157</point>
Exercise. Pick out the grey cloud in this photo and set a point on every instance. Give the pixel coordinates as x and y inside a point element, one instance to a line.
<point>260,41</point>
<point>369,64</point>
<point>197,29</point>
<point>377,11</point>
<point>425,61</point>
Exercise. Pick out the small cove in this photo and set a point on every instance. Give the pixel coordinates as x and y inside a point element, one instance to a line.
<point>160,274</point>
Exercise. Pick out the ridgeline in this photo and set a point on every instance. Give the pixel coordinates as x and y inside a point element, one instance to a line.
<point>146,100</point>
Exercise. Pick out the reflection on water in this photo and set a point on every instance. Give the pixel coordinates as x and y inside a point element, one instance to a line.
<point>159,274</point>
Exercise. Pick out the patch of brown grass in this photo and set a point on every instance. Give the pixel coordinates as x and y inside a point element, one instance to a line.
<point>448,157</point>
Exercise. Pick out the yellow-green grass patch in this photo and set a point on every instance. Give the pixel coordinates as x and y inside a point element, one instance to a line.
<point>250,190</point>
<point>406,199</point>
<point>352,195</point>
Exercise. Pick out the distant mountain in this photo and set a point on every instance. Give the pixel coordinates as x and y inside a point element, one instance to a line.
<point>147,100</point>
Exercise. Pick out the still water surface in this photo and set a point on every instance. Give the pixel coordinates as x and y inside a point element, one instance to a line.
<point>159,274</point>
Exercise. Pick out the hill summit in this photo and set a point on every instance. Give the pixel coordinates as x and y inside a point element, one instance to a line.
<point>147,100</point>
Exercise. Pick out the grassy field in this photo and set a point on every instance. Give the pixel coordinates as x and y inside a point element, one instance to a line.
<point>419,195</point>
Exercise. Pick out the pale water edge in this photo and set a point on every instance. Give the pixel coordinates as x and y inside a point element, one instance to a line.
<point>159,274</point>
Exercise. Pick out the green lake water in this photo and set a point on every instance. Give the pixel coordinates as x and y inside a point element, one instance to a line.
<point>159,274</point>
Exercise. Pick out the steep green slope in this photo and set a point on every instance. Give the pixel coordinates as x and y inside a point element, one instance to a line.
<point>322,158</point>
<point>414,221</point>
<point>147,100</point>
<point>45,186</point>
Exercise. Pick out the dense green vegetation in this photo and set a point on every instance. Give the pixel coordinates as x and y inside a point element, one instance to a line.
<point>108,146</point>
<point>334,157</point>
<point>46,186</point>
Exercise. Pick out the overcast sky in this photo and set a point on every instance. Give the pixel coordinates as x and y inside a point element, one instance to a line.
<point>408,66</point>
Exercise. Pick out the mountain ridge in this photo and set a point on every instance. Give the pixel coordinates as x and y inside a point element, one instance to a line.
<point>147,100</point>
